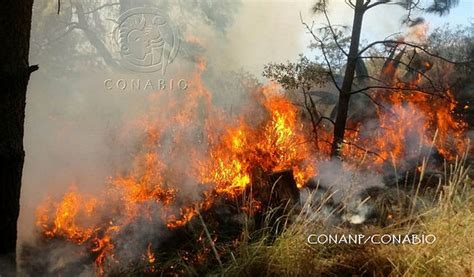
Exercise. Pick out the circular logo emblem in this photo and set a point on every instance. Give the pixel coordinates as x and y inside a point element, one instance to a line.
<point>147,40</point>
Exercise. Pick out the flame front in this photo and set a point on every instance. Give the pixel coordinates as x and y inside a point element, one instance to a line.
<point>220,153</point>
<point>277,143</point>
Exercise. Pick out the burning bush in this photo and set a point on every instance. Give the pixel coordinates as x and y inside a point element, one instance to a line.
<point>196,159</point>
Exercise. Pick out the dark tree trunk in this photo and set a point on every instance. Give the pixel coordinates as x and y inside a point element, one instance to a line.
<point>15,25</point>
<point>345,94</point>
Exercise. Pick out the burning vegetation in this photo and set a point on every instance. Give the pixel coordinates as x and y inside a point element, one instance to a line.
<point>237,186</point>
<point>223,154</point>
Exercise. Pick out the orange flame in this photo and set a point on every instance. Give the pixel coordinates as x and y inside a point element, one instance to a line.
<point>225,153</point>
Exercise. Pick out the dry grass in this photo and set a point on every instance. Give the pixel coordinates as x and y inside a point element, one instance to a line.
<point>452,222</point>
<point>451,254</point>
<point>449,218</point>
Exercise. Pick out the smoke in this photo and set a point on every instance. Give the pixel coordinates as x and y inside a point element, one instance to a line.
<point>153,143</point>
<point>263,32</point>
<point>79,133</point>
<point>346,182</point>
<point>345,186</point>
<point>339,193</point>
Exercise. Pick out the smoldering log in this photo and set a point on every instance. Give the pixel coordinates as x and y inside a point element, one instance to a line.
<point>277,192</point>
<point>274,188</point>
<point>283,188</point>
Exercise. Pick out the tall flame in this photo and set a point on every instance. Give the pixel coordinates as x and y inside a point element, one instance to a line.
<point>220,153</point>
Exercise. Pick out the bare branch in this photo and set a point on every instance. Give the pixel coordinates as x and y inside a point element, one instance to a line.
<point>330,26</point>
<point>310,112</point>
<point>394,88</point>
<point>392,35</point>
<point>33,68</point>
<point>368,7</point>
<point>325,118</point>
<point>331,74</point>
<point>350,4</point>
<point>332,122</point>
<point>372,78</point>
<point>422,74</point>
<point>363,149</point>
<point>95,41</point>
<point>69,28</point>
<point>413,46</point>
<point>373,100</point>
<point>101,7</point>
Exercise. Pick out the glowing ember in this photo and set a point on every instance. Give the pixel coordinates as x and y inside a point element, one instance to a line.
<point>150,258</point>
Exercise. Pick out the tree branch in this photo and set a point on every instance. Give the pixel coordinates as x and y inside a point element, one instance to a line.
<point>368,7</point>
<point>325,118</point>
<point>349,3</point>
<point>393,88</point>
<point>311,115</point>
<point>363,149</point>
<point>413,46</point>
<point>373,100</point>
<point>33,68</point>
<point>93,38</point>
<point>331,74</point>
<point>101,7</point>
<point>334,36</point>
<point>407,66</point>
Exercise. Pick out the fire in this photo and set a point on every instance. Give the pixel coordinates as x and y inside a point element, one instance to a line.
<point>150,258</point>
<point>220,153</point>
<point>418,33</point>
<point>411,121</point>
<point>276,144</point>
<point>70,216</point>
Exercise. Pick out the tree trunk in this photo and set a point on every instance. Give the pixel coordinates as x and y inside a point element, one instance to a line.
<point>15,25</point>
<point>345,94</point>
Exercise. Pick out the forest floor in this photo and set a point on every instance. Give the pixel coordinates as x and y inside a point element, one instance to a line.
<point>446,215</point>
<point>450,219</point>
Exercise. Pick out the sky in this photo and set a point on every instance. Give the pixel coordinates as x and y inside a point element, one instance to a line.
<point>462,14</point>
<point>271,31</point>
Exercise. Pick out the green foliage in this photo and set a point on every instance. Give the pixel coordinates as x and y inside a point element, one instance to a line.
<point>334,55</point>
<point>454,43</point>
<point>300,75</point>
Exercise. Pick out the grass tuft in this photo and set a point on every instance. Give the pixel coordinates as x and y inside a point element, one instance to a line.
<point>449,216</point>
